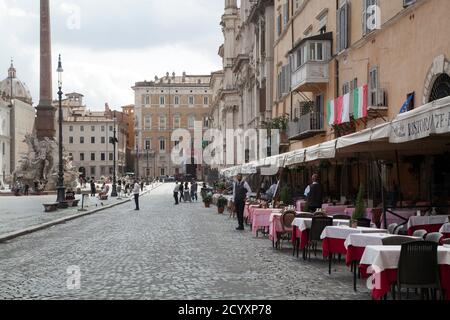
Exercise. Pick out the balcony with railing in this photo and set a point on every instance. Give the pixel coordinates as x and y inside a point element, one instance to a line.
<point>308,125</point>
<point>310,61</point>
<point>312,72</point>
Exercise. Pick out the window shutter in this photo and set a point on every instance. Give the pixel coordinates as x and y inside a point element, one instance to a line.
<point>364,17</point>
<point>346,22</point>
<point>338,31</point>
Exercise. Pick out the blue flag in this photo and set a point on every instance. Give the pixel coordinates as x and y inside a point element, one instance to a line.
<point>406,104</point>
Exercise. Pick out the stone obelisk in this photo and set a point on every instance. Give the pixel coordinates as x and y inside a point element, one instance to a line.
<point>45,120</point>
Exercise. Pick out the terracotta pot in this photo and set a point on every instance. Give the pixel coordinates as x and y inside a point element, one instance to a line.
<point>207,204</point>
<point>220,210</point>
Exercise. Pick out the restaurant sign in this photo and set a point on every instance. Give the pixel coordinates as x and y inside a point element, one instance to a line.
<point>421,124</point>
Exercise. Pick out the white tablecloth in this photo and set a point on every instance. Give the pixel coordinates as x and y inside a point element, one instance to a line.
<point>386,257</point>
<point>426,220</point>
<point>362,240</point>
<point>305,223</point>
<point>445,228</point>
<point>342,232</point>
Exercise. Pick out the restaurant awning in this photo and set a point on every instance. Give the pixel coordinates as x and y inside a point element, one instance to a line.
<point>326,150</point>
<point>295,157</point>
<point>430,119</point>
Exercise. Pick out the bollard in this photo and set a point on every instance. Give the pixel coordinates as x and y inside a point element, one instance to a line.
<point>82,204</point>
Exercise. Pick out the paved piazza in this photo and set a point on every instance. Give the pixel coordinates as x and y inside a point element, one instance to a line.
<point>162,252</point>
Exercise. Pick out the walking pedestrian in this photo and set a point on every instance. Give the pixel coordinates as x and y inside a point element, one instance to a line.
<point>194,191</point>
<point>175,193</point>
<point>26,189</point>
<point>187,194</point>
<point>136,191</point>
<point>181,191</point>
<point>93,188</point>
<point>240,190</point>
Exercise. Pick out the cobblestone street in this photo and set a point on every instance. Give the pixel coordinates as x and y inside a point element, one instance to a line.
<point>162,252</point>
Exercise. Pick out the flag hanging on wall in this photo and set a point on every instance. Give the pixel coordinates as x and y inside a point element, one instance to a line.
<point>331,112</point>
<point>360,96</point>
<point>342,109</point>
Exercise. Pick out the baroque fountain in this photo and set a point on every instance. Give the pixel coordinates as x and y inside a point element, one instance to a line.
<point>38,168</point>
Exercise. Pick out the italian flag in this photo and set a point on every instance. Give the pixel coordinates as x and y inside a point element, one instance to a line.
<point>331,113</point>
<point>360,97</point>
<point>342,109</point>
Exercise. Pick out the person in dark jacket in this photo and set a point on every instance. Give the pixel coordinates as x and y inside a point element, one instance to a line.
<point>93,188</point>
<point>240,190</point>
<point>315,194</point>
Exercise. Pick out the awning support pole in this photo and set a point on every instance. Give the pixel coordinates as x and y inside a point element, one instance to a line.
<point>398,178</point>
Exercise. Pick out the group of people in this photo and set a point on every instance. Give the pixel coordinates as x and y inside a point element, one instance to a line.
<point>187,192</point>
<point>313,194</point>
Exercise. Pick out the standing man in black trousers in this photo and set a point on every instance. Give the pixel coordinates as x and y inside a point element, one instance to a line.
<point>240,190</point>
<point>315,194</point>
<point>136,192</point>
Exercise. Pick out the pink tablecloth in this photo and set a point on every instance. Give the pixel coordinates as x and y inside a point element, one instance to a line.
<point>248,212</point>
<point>261,218</point>
<point>275,226</point>
<point>369,213</point>
<point>332,210</point>
<point>300,206</point>
<point>405,213</point>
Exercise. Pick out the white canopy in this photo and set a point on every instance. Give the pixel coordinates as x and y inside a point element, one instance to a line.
<point>326,150</point>
<point>430,119</point>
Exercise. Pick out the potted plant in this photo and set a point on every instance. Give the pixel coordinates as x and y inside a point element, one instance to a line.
<point>360,208</point>
<point>207,200</point>
<point>221,204</point>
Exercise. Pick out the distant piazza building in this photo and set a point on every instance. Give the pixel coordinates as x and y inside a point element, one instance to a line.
<point>86,138</point>
<point>17,117</point>
<point>162,106</point>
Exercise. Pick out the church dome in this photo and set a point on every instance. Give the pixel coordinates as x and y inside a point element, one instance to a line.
<point>19,90</point>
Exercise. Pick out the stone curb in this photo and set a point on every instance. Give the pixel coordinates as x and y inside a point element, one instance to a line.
<point>20,233</point>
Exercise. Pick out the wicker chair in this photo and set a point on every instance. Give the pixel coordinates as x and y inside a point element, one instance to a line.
<point>318,225</point>
<point>286,222</point>
<point>434,237</point>
<point>396,241</point>
<point>446,241</point>
<point>420,233</point>
<point>305,215</point>
<point>363,222</point>
<point>341,217</point>
<point>418,268</point>
<point>392,227</point>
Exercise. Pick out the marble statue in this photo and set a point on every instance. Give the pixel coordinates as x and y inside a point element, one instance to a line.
<point>38,168</point>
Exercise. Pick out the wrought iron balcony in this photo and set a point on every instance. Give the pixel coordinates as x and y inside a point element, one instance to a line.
<point>307,126</point>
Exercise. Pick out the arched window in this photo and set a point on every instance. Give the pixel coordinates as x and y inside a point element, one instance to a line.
<point>441,87</point>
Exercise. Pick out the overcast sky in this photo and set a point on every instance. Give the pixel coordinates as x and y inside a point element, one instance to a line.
<point>108,45</point>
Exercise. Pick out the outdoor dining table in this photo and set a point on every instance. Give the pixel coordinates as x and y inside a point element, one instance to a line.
<point>301,227</point>
<point>334,239</point>
<point>261,219</point>
<point>351,210</point>
<point>428,223</point>
<point>356,244</point>
<point>404,213</point>
<point>381,262</point>
<point>300,205</point>
<point>332,210</point>
<point>248,211</point>
<point>445,230</point>
<point>275,226</point>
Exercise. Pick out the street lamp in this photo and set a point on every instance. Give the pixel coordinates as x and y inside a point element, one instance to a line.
<point>137,155</point>
<point>114,141</point>
<point>61,189</point>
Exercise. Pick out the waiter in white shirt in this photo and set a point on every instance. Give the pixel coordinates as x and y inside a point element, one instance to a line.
<point>240,190</point>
